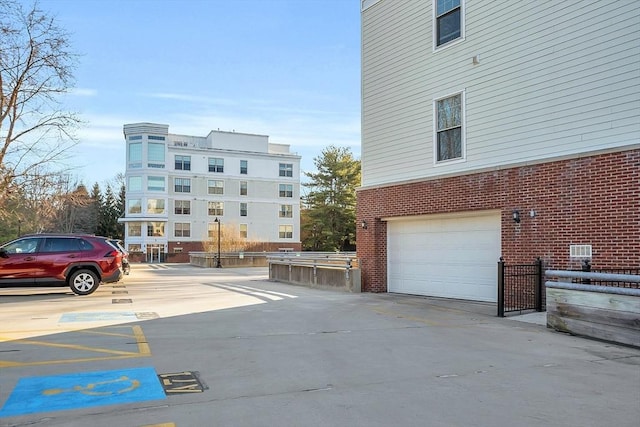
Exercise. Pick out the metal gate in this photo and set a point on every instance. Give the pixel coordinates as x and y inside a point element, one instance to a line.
<point>520,287</point>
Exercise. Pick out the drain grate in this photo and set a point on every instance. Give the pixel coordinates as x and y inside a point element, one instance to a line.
<point>182,382</point>
<point>119,292</point>
<point>121,301</point>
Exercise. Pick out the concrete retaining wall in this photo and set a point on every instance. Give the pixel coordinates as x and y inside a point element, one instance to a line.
<point>338,278</point>
<point>209,260</point>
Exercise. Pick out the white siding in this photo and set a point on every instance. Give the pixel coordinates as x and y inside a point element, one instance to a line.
<point>555,79</point>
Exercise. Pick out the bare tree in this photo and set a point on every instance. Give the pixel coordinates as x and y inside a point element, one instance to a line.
<point>36,64</point>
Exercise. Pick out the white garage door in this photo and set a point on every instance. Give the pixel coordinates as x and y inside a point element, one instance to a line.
<point>452,256</point>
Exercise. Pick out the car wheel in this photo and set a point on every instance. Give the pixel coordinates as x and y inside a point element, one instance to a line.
<point>83,282</point>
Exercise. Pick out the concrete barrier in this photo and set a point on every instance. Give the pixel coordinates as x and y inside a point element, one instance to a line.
<point>323,272</point>
<point>228,260</point>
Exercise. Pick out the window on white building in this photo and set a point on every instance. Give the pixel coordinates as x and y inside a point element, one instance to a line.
<point>135,183</point>
<point>244,167</point>
<point>155,206</point>
<point>135,155</point>
<point>285,231</point>
<point>134,229</point>
<point>216,164</point>
<point>182,185</point>
<point>183,163</point>
<point>155,229</point>
<point>182,229</point>
<point>155,155</point>
<point>286,169</point>
<point>449,141</point>
<point>243,209</point>
<point>286,211</point>
<point>286,190</point>
<point>449,19</point>
<point>243,188</point>
<point>134,206</point>
<point>182,207</point>
<point>155,183</point>
<point>215,208</point>
<point>215,186</point>
<point>243,231</point>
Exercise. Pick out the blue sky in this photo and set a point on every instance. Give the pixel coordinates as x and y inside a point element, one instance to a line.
<point>289,69</point>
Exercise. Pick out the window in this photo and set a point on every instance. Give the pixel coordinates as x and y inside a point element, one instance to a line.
<point>155,183</point>
<point>286,211</point>
<point>182,185</point>
<point>216,164</point>
<point>155,229</point>
<point>156,138</point>
<point>135,229</point>
<point>182,229</point>
<point>155,156</point>
<point>134,137</point>
<point>243,231</point>
<point>155,206</point>
<point>65,244</point>
<point>182,207</point>
<point>215,186</point>
<point>135,183</point>
<point>183,163</point>
<point>286,190</point>
<point>27,245</point>
<point>448,21</point>
<point>215,208</point>
<point>177,250</point>
<point>135,206</point>
<point>286,169</point>
<point>243,188</point>
<point>449,118</point>
<point>134,247</point>
<point>244,167</point>
<point>285,231</point>
<point>212,229</point>
<point>135,154</point>
<point>243,209</point>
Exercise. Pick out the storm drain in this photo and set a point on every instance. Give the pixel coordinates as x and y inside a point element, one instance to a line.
<point>121,301</point>
<point>119,292</point>
<point>182,382</point>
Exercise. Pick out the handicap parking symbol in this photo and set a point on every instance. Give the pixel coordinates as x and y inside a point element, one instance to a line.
<point>81,390</point>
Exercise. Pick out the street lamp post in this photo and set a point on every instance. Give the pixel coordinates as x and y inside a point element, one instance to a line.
<point>218,263</point>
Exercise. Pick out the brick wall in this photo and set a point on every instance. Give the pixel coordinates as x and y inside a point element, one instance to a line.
<point>592,200</point>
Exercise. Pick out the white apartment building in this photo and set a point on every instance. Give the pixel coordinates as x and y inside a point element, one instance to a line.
<point>180,188</point>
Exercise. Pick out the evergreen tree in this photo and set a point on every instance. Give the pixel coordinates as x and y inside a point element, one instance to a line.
<point>96,209</point>
<point>330,204</point>
<point>109,215</point>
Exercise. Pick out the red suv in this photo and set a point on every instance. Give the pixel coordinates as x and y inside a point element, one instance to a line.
<point>81,262</point>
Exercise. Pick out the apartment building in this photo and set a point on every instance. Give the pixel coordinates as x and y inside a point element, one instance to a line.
<point>181,188</point>
<point>496,129</point>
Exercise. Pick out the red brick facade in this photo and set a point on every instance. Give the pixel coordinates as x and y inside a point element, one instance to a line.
<point>591,200</point>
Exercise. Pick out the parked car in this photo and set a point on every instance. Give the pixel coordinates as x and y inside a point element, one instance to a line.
<point>81,262</point>
<point>126,267</point>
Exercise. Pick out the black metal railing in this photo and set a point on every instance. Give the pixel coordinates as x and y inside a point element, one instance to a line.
<point>520,287</point>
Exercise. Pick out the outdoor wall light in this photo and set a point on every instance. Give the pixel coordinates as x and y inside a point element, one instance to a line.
<point>363,224</point>
<point>516,216</point>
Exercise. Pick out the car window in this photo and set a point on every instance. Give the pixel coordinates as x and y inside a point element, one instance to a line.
<point>27,245</point>
<point>84,245</point>
<point>61,244</point>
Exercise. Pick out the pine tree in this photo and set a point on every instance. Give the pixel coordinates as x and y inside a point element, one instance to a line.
<point>330,204</point>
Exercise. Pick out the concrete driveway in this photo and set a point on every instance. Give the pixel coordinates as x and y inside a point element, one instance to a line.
<point>226,347</point>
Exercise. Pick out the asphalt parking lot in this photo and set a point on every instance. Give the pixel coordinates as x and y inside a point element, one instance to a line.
<point>174,345</point>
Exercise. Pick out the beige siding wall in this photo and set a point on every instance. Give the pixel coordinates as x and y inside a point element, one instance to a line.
<point>555,79</point>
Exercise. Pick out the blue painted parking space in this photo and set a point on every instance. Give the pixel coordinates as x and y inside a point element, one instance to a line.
<point>82,390</point>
